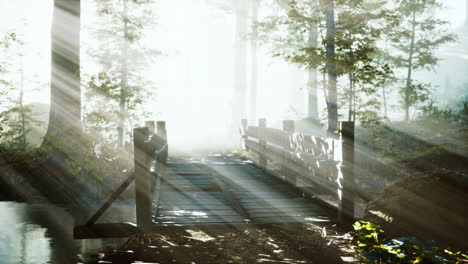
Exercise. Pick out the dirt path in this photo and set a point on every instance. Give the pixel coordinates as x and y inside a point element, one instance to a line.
<point>292,243</point>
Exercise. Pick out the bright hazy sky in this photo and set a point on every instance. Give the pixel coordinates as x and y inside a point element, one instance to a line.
<point>194,80</point>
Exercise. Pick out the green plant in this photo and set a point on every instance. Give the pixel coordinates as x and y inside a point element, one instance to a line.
<point>374,248</point>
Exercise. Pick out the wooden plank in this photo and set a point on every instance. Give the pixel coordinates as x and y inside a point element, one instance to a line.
<point>217,219</point>
<point>115,230</point>
<point>280,220</point>
<point>198,213</point>
<point>302,209</point>
<point>195,207</point>
<point>128,178</point>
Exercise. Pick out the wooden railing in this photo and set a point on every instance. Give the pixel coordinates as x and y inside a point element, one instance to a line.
<point>322,166</point>
<point>150,156</point>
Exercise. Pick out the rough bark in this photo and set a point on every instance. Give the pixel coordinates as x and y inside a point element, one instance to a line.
<point>65,91</point>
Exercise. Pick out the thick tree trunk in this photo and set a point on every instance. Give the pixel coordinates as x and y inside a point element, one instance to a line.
<point>410,68</point>
<point>65,91</point>
<point>123,81</point>
<point>240,56</point>
<point>332,105</point>
<point>254,64</point>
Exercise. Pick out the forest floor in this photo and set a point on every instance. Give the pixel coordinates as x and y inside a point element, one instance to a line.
<point>292,243</point>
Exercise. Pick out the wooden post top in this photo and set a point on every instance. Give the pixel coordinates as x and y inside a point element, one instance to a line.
<point>262,122</point>
<point>244,123</point>
<point>151,126</point>
<point>288,125</point>
<point>140,135</point>
<point>161,125</point>
<point>347,130</point>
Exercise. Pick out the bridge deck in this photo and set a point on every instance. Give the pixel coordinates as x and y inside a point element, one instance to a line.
<point>226,190</point>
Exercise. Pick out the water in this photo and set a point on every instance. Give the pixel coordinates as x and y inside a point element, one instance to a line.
<point>43,234</point>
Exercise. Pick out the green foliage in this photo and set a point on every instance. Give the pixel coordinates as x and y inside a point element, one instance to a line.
<point>432,112</point>
<point>16,119</point>
<point>414,43</point>
<point>373,248</point>
<point>359,25</point>
<point>117,91</point>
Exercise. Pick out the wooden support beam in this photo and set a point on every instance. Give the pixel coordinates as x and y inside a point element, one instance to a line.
<point>142,171</point>
<point>347,194</point>
<point>128,178</point>
<point>111,230</point>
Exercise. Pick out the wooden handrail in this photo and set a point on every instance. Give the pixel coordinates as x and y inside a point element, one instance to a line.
<point>327,162</point>
<point>146,150</point>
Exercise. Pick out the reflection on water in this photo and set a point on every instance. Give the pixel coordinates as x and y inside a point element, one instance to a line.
<point>43,234</point>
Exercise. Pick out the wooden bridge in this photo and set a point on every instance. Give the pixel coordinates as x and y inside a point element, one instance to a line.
<point>288,178</point>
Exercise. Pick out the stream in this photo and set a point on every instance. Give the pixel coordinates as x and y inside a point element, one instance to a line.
<point>39,233</point>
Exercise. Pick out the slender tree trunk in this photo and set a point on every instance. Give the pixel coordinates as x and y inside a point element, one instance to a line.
<point>331,69</point>
<point>240,56</point>
<point>22,113</point>
<point>65,90</point>
<point>466,15</point>
<point>351,95</point>
<point>124,77</point>
<point>254,62</point>
<point>410,68</point>
<point>384,96</point>
<point>312,101</point>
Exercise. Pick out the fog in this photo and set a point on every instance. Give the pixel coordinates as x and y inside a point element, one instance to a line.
<point>194,75</point>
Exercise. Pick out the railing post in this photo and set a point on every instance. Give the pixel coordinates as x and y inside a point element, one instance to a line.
<point>347,198</point>
<point>288,126</point>
<point>142,172</point>
<point>243,131</point>
<point>162,133</point>
<point>263,144</point>
<point>151,126</point>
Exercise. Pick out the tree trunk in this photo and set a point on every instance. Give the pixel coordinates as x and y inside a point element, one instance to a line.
<point>65,90</point>
<point>351,96</point>
<point>312,101</point>
<point>240,56</point>
<point>384,96</point>
<point>124,77</point>
<point>21,106</point>
<point>410,68</point>
<point>254,62</point>
<point>466,15</point>
<point>332,105</point>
